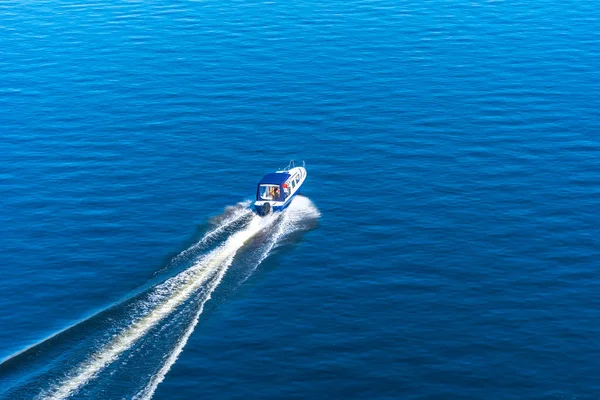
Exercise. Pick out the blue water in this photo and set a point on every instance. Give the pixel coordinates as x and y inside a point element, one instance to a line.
<point>447,244</point>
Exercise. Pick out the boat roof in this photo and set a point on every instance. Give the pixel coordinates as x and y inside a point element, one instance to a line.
<point>275,178</point>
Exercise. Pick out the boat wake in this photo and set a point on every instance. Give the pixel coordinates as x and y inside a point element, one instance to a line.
<point>127,350</point>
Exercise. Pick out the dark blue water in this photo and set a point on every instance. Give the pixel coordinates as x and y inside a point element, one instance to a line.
<point>446,245</point>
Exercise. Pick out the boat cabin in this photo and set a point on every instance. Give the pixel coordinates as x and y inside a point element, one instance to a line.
<point>273,187</point>
<point>278,186</point>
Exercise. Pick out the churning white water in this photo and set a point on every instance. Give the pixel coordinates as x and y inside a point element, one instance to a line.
<point>205,274</point>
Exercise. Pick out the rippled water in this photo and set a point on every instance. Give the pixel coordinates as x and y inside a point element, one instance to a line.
<point>447,245</point>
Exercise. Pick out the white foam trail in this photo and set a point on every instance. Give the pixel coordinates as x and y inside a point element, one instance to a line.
<point>300,208</point>
<point>208,271</point>
<point>240,213</point>
<point>149,390</point>
<point>169,296</point>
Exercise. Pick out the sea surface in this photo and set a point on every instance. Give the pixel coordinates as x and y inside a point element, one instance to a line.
<point>446,246</point>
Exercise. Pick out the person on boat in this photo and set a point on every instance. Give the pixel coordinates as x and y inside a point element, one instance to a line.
<point>276,194</point>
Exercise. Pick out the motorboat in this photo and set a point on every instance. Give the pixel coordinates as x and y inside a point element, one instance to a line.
<point>276,190</point>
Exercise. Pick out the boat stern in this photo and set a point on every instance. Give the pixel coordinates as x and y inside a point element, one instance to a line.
<point>263,208</point>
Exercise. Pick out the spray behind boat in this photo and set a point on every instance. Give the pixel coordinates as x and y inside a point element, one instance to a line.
<point>275,191</point>
<point>127,350</point>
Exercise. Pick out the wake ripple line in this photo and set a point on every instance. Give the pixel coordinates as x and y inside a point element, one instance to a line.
<point>208,270</point>
<point>148,391</point>
<point>183,286</point>
<point>299,209</point>
<point>237,216</point>
<point>285,226</point>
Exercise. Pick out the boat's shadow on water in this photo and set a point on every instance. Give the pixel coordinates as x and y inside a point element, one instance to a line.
<point>62,360</point>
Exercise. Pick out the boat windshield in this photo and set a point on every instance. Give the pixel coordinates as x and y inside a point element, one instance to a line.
<point>269,192</point>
